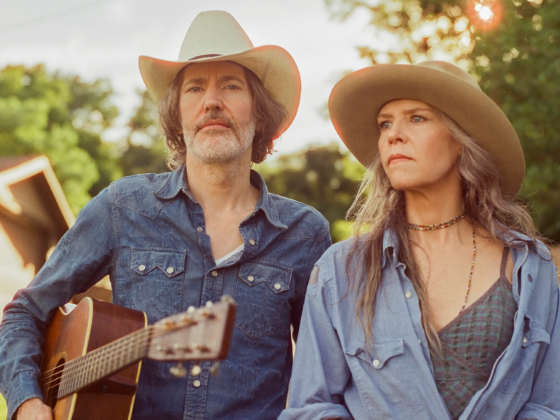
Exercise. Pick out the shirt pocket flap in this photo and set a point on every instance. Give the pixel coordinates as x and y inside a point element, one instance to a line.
<point>382,351</point>
<point>171,263</point>
<point>277,278</point>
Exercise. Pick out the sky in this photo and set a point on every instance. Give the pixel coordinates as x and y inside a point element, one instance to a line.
<point>104,38</point>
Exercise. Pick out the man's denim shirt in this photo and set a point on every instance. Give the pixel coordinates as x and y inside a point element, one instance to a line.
<point>336,376</point>
<point>154,221</point>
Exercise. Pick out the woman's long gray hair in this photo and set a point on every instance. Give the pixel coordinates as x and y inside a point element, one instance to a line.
<point>378,206</point>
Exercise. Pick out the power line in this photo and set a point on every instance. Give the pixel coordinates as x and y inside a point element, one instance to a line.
<point>52,17</point>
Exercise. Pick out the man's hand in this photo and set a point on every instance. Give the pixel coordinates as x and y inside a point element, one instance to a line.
<point>34,409</point>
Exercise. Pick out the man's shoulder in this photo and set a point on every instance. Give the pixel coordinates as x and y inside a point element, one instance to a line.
<point>300,217</point>
<point>138,192</point>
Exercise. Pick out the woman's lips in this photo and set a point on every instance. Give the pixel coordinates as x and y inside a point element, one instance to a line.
<point>393,159</point>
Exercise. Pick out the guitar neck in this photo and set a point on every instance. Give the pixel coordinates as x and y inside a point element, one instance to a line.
<point>103,362</point>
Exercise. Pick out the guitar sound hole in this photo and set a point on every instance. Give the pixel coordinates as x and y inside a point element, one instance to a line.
<point>53,384</point>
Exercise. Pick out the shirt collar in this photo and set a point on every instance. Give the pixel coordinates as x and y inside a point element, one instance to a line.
<point>390,243</point>
<point>177,182</point>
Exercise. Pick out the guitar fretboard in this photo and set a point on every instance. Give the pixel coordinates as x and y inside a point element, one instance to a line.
<point>103,362</point>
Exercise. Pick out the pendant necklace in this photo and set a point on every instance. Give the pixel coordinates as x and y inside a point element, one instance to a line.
<point>444,225</point>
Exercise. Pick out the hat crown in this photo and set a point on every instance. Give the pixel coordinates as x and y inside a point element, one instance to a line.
<point>214,33</point>
<point>451,69</point>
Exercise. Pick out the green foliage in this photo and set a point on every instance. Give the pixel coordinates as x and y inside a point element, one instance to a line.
<point>322,177</point>
<point>62,118</point>
<point>145,148</point>
<point>516,58</point>
<point>3,408</point>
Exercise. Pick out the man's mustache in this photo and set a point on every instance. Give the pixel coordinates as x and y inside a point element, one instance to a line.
<point>215,115</point>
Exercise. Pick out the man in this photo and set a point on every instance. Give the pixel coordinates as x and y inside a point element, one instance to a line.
<point>207,229</point>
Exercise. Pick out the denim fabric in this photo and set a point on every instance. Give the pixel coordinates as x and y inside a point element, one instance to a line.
<point>153,220</point>
<point>336,376</point>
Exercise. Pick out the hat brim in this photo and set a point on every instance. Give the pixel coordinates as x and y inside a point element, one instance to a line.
<point>356,100</point>
<point>274,66</point>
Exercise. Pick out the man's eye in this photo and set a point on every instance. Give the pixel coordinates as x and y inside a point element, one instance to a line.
<point>417,118</point>
<point>194,89</point>
<point>232,87</point>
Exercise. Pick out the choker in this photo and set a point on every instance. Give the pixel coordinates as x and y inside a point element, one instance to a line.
<point>436,227</point>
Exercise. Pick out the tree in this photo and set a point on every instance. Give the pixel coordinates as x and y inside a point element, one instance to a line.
<point>145,150</point>
<point>515,56</point>
<point>322,177</point>
<point>61,117</point>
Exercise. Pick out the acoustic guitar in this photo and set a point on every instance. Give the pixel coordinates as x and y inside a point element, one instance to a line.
<point>92,354</point>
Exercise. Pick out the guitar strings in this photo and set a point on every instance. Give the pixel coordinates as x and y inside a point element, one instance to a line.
<point>75,367</point>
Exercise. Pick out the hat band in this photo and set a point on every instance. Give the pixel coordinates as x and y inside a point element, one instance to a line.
<point>198,57</point>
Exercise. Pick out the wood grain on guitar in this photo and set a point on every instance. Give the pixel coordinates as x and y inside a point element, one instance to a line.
<point>92,355</point>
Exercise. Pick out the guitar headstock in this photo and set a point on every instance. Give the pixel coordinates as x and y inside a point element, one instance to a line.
<point>197,334</point>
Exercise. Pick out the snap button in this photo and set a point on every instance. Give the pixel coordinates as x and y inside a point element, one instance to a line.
<point>277,286</point>
<point>408,294</point>
<point>251,278</point>
<point>524,340</point>
<point>199,229</point>
<point>252,241</point>
<point>375,363</point>
<point>141,267</point>
<point>170,270</point>
<point>196,383</point>
<point>214,273</point>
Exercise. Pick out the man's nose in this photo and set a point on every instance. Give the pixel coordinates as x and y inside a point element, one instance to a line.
<point>213,99</point>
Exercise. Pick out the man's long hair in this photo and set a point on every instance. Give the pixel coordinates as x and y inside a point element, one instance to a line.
<point>270,116</point>
<point>378,206</point>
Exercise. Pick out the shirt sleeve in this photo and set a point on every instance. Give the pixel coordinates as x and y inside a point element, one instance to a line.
<point>319,247</point>
<point>544,402</point>
<point>320,372</point>
<point>82,257</point>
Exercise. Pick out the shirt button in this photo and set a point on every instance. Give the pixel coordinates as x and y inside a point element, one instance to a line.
<point>196,383</point>
<point>408,294</point>
<point>419,341</point>
<point>375,363</point>
<point>524,340</point>
<point>170,270</point>
<point>199,229</point>
<point>277,286</point>
<point>252,241</point>
<point>251,278</point>
<point>214,273</point>
<point>141,267</point>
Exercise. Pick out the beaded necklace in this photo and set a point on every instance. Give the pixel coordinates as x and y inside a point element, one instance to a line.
<point>444,225</point>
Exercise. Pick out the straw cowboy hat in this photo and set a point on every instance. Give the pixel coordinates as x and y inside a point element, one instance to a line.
<point>356,100</point>
<point>216,36</point>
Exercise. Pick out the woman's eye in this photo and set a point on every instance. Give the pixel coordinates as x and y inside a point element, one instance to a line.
<point>194,89</point>
<point>383,125</point>
<point>232,87</point>
<point>417,118</point>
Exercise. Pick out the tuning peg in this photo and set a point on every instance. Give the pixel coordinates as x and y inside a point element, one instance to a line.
<point>164,349</point>
<point>182,347</point>
<point>187,320</point>
<point>209,304</point>
<point>201,348</point>
<point>227,299</point>
<point>191,309</point>
<point>207,314</point>
<point>170,323</point>
<point>196,370</point>
<point>178,371</point>
<point>215,368</point>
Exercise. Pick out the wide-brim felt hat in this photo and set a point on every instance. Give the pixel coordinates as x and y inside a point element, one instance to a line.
<point>356,100</point>
<point>216,36</point>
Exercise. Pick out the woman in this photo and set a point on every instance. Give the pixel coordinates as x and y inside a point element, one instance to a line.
<point>444,304</point>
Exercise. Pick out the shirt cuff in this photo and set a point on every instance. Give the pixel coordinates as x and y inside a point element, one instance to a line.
<point>23,388</point>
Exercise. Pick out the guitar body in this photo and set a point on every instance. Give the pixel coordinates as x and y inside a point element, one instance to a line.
<point>90,325</point>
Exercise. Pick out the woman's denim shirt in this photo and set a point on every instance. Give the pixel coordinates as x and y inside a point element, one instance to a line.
<point>335,376</point>
<point>135,230</point>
